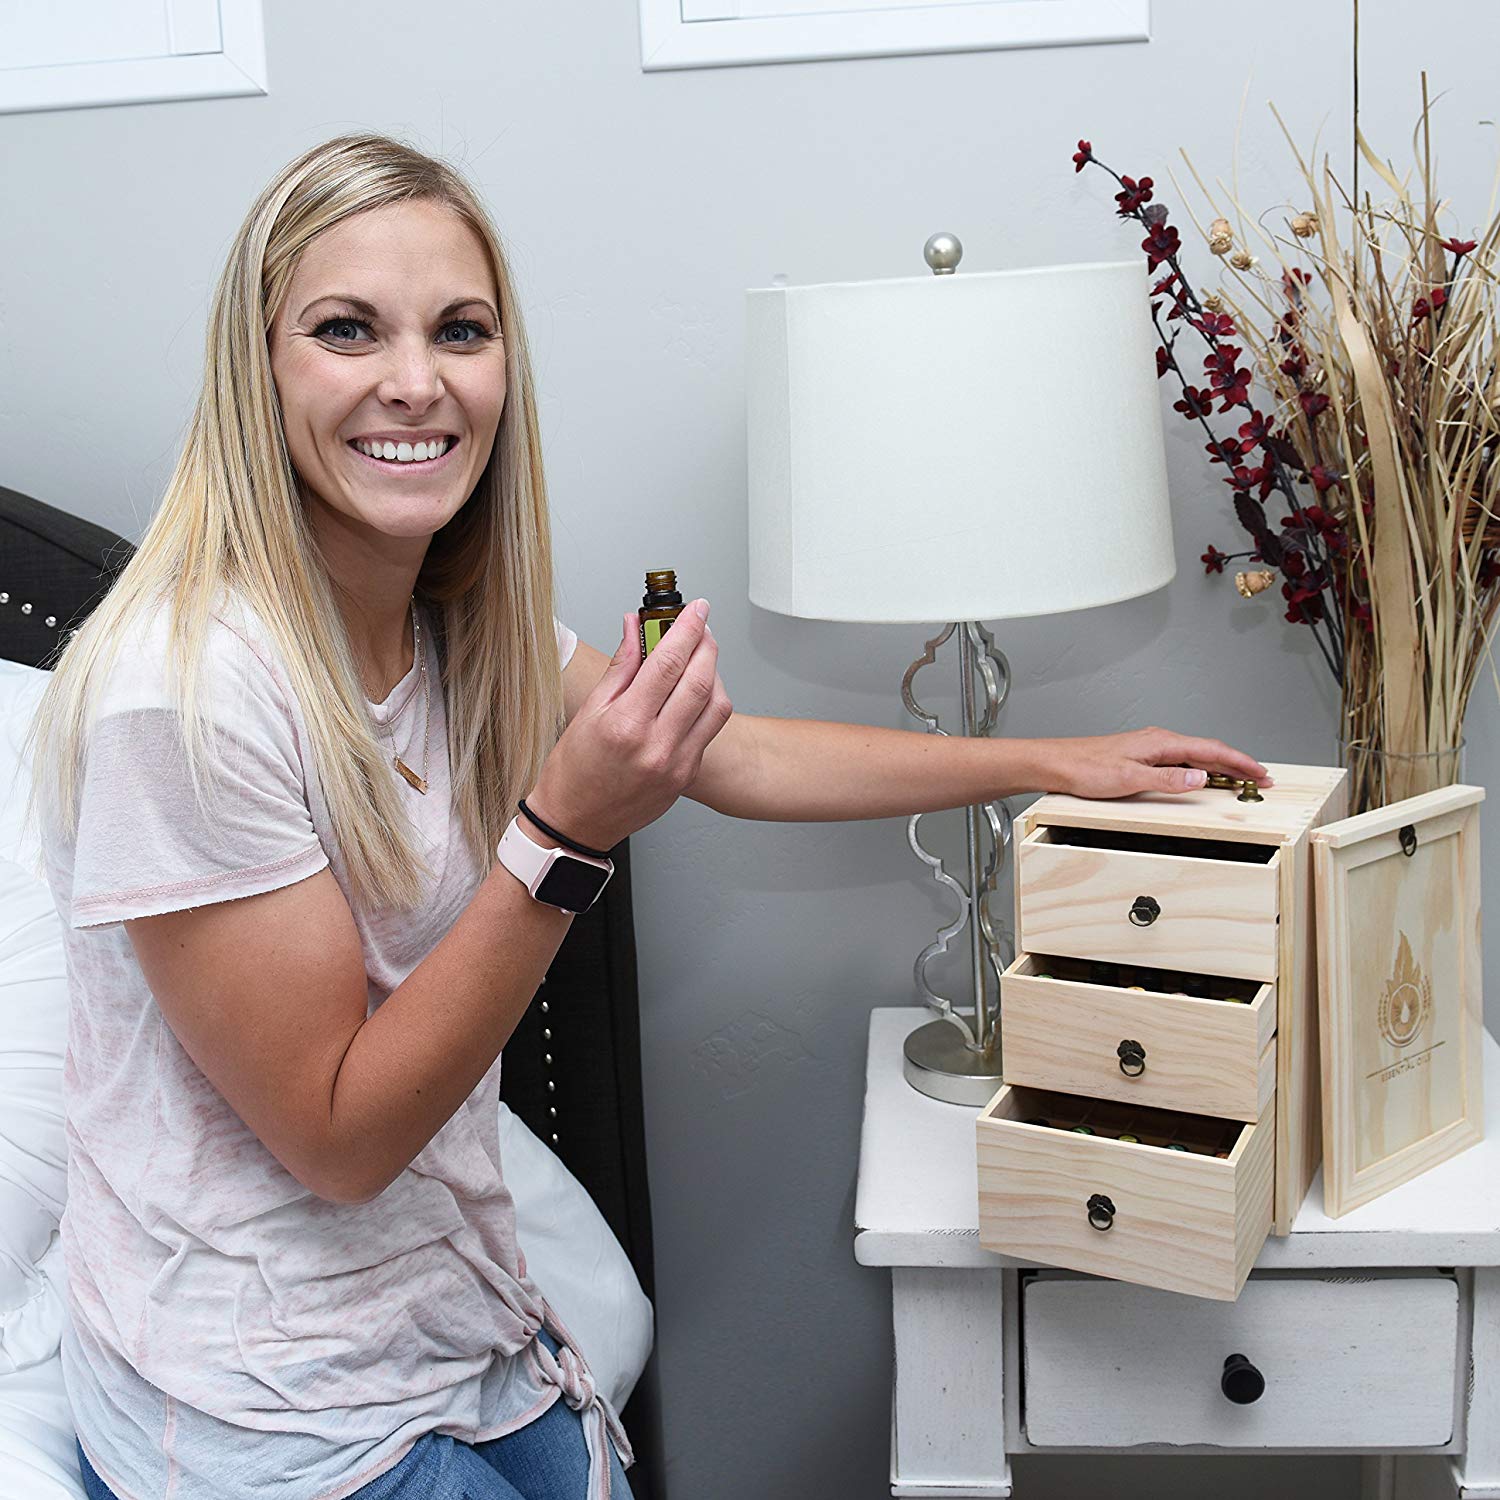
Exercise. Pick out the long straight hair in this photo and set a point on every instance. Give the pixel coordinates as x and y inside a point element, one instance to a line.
<point>233,518</point>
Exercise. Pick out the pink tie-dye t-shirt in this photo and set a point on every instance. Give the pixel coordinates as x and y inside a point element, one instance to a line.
<point>233,1336</point>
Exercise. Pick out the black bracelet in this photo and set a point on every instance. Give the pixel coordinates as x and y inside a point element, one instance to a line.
<point>561,838</point>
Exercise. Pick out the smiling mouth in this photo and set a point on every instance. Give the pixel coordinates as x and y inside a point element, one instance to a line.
<point>392,455</point>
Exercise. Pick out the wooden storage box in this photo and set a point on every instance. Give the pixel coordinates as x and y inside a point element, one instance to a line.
<point>1166,961</point>
<point>1190,1219</point>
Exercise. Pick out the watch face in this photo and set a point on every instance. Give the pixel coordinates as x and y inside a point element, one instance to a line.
<point>571,884</point>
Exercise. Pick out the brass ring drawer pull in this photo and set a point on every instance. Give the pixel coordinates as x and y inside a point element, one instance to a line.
<point>1145,911</point>
<point>1132,1058</point>
<point>1101,1212</point>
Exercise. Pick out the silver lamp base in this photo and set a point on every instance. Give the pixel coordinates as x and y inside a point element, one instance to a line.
<point>939,1063</point>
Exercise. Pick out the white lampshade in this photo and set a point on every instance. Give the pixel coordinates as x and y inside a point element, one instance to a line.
<point>974,446</point>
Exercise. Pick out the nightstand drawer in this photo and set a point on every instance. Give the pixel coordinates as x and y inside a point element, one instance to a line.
<point>1140,1037</point>
<point>1336,1362</point>
<point>1205,905</point>
<point>1163,1210</point>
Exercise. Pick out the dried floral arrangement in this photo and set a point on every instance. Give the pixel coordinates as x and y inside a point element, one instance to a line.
<point>1377,432</point>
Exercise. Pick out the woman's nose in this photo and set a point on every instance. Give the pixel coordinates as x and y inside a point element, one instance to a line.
<point>412,376</point>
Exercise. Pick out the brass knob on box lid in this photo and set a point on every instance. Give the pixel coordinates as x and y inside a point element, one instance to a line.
<point>1248,790</point>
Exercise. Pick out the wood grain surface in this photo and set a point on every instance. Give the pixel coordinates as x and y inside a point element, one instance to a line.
<point>1182,1221</point>
<point>1216,916</point>
<point>1203,1056</point>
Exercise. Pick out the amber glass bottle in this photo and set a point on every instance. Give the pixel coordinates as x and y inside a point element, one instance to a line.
<point>660,605</point>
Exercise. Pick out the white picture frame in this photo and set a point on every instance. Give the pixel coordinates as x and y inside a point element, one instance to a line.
<point>732,33</point>
<point>197,49</point>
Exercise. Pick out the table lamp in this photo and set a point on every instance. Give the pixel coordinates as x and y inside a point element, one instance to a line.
<point>956,448</point>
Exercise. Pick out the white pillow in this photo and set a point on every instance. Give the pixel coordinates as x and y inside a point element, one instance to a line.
<point>33,1148</point>
<point>37,1457</point>
<point>20,691</point>
<point>576,1262</point>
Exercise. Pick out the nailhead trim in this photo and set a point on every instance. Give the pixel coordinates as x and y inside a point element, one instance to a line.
<point>26,609</point>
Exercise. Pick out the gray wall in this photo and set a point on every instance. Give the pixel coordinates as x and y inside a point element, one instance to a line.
<point>638,208</point>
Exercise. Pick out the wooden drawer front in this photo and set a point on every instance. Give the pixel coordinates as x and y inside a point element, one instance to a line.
<point>1346,1363</point>
<point>1207,1057</point>
<point>1216,916</point>
<point>1187,1222</point>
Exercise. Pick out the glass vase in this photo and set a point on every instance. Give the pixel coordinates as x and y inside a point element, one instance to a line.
<point>1379,777</point>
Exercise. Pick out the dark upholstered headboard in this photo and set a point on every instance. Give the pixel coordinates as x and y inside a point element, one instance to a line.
<point>572,1067</point>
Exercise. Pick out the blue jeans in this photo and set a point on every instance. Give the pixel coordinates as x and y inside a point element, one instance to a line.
<point>547,1459</point>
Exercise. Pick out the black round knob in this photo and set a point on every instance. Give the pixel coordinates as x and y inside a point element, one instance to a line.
<point>1145,910</point>
<point>1132,1058</point>
<point>1101,1211</point>
<point>1241,1381</point>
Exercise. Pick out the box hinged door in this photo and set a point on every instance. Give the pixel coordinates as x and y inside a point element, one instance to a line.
<point>1399,991</point>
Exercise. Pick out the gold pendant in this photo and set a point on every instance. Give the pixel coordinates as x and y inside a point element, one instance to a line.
<point>411,775</point>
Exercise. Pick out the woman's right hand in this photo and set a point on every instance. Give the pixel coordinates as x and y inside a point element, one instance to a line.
<point>637,741</point>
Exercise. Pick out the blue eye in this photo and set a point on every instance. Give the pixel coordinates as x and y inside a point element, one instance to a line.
<point>321,330</point>
<point>478,329</point>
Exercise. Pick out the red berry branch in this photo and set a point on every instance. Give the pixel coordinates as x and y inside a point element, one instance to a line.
<point>1261,459</point>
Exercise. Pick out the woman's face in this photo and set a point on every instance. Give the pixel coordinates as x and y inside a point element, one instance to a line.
<point>390,333</point>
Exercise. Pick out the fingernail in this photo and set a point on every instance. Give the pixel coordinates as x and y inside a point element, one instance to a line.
<point>700,606</point>
<point>1197,778</point>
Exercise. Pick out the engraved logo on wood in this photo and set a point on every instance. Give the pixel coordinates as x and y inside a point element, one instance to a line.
<point>1406,1005</point>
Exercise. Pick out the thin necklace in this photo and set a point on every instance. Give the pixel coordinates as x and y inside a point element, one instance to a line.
<point>420,782</point>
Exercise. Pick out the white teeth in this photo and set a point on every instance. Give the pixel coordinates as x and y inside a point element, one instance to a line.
<point>405,453</point>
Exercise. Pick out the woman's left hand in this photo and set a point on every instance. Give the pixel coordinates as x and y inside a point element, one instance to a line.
<point>1146,760</point>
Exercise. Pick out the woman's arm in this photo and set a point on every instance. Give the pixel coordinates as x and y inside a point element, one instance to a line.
<point>811,771</point>
<point>268,995</point>
<point>816,771</point>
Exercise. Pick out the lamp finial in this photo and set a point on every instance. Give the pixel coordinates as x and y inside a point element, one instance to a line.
<point>943,252</point>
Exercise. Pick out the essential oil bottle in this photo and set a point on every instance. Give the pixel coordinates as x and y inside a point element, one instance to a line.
<point>660,605</point>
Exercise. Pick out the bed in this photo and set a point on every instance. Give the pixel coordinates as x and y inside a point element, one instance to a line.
<point>578,1092</point>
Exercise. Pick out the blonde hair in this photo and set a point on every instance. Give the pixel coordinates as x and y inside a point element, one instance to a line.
<point>232,516</point>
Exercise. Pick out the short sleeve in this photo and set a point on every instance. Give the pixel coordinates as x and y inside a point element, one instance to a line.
<point>566,642</point>
<point>145,845</point>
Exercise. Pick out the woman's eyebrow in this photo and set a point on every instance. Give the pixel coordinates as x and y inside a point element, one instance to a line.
<point>370,311</point>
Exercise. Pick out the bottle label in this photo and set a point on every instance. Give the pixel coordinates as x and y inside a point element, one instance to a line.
<point>651,634</point>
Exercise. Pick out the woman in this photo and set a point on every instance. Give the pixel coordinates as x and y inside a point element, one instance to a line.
<point>273,767</point>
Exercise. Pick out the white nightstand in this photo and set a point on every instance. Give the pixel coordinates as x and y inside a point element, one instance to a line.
<point>1378,1333</point>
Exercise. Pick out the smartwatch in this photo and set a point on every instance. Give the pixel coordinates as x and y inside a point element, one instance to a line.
<point>556,877</point>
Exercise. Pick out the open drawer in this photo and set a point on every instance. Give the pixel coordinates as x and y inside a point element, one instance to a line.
<point>1200,1043</point>
<point>1204,905</point>
<point>1184,1203</point>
